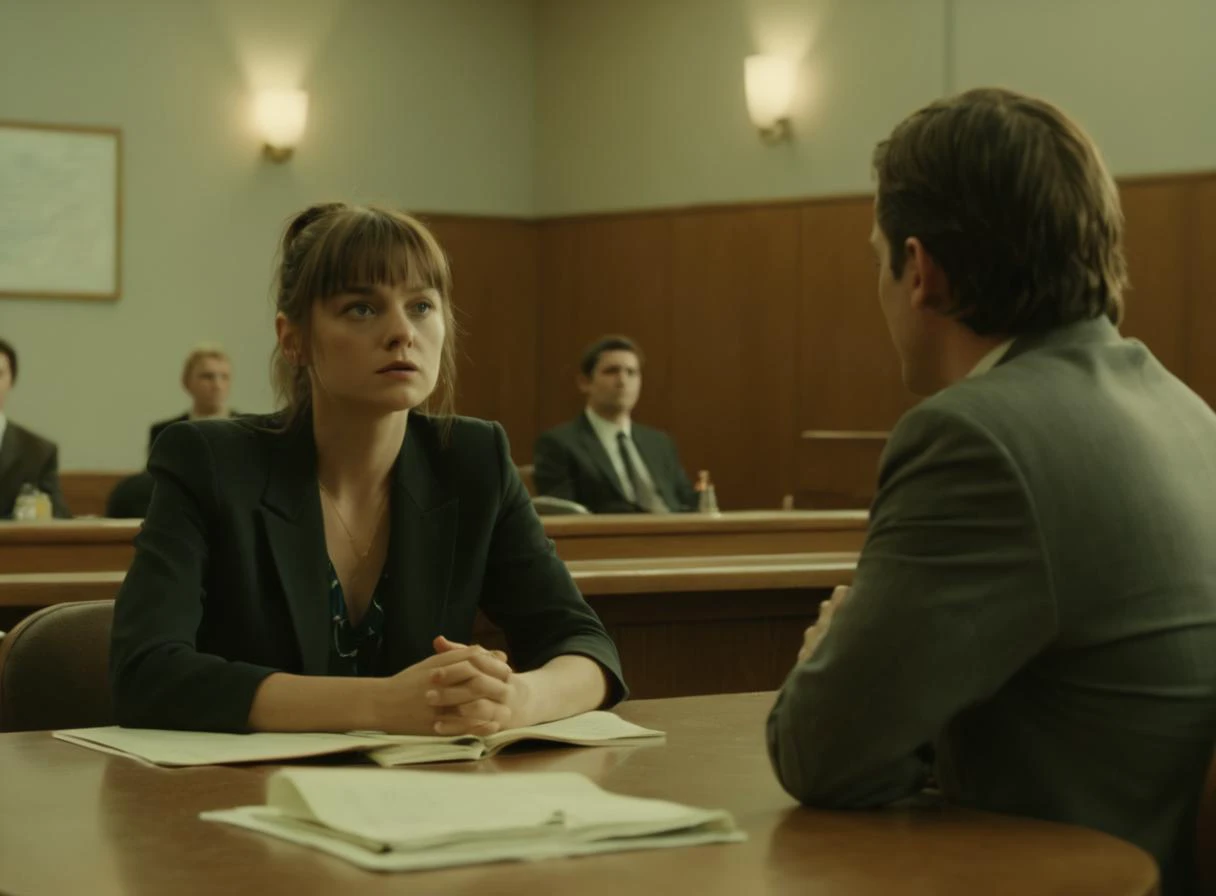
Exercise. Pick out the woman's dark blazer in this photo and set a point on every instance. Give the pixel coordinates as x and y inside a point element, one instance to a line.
<point>229,581</point>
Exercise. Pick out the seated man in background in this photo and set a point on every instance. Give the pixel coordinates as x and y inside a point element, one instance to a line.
<point>1033,616</point>
<point>131,497</point>
<point>207,379</point>
<point>25,458</point>
<point>602,459</point>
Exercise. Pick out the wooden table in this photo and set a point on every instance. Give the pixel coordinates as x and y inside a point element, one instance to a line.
<point>77,821</point>
<point>683,625</point>
<point>89,545</point>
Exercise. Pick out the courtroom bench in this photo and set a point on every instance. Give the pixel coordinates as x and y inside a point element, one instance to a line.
<point>88,545</point>
<point>683,625</point>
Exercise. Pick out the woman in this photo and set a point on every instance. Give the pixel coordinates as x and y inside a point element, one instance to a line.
<point>305,572</point>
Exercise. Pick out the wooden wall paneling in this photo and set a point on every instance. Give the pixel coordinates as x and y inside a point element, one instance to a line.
<point>736,368</point>
<point>727,642</point>
<point>1200,252</point>
<point>599,276</point>
<point>675,645</point>
<point>1157,213</point>
<point>86,491</point>
<point>494,284</point>
<point>837,473</point>
<point>848,374</point>
<point>735,288</point>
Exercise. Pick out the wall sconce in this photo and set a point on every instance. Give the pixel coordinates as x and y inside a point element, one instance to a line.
<point>769,81</point>
<point>280,116</point>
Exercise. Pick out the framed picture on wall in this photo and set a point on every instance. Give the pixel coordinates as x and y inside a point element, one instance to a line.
<point>60,211</point>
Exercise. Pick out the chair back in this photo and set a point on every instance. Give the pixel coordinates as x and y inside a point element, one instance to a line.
<point>1205,835</point>
<point>547,505</point>
<point>130,497</point>
<point>54,668</point>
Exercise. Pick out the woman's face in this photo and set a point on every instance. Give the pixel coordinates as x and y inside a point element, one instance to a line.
<point>375,346</point>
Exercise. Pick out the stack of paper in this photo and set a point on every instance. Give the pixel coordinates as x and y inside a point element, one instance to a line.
<point>412,820</point>
<point>183,748</point>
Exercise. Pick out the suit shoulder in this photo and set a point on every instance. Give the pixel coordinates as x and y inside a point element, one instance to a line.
<point>457,436</point>
<point>228,441</point>
<point>992,412</point>
<point>960,407</point>
<point>464,452</point>
<point>563,433</point>
<point>458,428</point>
<point>161,424</point>
<point>651,431</point>
<point>34,442</point>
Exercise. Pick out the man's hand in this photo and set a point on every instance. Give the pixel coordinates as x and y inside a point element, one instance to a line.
<point>814,634</point>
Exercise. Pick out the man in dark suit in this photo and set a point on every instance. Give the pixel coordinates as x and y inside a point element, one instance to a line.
<point>602,459</point>
<point>1033,617</point>
<point>25,457</point>
<point>207,379</point>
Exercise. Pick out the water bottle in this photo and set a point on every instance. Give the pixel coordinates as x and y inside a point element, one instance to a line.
<point>707,500</point>
<point>25,508</point>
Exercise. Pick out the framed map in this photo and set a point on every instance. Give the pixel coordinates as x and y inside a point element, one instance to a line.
<point>60,211</point>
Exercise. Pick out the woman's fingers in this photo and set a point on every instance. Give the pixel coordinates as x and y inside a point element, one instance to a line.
<point>482,687</point>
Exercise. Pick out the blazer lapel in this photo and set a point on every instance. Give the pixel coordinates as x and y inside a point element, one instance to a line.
<point>599,457</point>
<point>295,530</point>
<point>422,543</point>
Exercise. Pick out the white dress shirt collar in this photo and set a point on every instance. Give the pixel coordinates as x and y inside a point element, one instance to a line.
<point>606,429</point>
<point>991,358</point>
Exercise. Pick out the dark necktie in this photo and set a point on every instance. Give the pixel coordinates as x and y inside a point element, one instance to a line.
<point>630,470</point>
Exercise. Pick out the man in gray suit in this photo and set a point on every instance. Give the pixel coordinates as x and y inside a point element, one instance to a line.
<point>1033,617</point>
<point>603,459</point>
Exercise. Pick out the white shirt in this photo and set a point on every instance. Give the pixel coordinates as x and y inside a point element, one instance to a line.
<point>991,359</point>
<point>606,432</point>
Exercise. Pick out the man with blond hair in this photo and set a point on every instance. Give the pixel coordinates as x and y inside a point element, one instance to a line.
<point>207,379</point>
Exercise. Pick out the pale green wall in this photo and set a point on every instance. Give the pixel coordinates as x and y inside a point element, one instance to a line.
<point>420,103</point>
<point>513,107</point>
<point>1141,76</point>
<point>640,102</point>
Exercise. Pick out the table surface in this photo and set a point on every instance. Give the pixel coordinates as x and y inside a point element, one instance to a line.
<point>77,821</point>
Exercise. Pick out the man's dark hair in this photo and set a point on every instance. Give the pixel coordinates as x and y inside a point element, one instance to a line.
<point>1012,199</point>
<point>615,343</point>
<point>6,348</point>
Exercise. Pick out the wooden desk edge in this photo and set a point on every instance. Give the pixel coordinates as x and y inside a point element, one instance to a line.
<point>640,575</point>
<point>101,531</point>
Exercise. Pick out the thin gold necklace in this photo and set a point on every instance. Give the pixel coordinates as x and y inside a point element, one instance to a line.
<point>360,557</point>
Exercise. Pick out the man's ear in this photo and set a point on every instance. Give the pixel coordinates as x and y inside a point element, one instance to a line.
<point>929,288</point>
<point>584,384</point>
